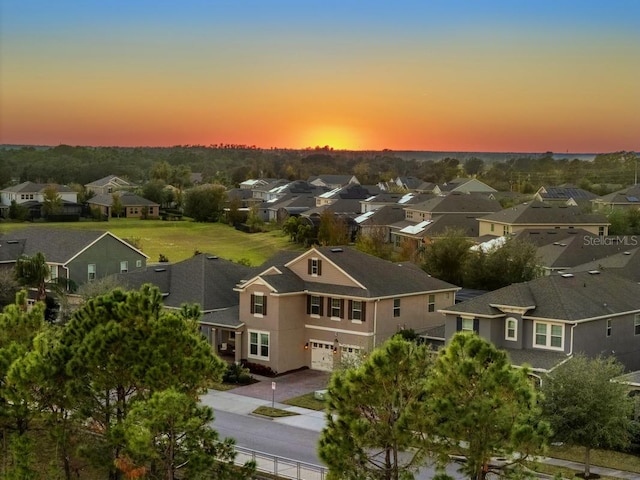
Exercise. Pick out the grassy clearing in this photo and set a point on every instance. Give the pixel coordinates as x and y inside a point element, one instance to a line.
<point>273,412</point>
<point>306,401</point>
<point>601,458</point>
<point>178,240</point>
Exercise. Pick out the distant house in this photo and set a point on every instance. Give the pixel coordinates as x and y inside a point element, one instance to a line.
<point>32,196</point>
<point>109,184</point>
<point>541,215</point>
<point>80,256</point>
<point>332,181</point>
<point>542,323</point>
<point>322,306</point>
<point>134,206</point>
<point>564,195</point>
<point>463,185</point>
<point>625,199</point>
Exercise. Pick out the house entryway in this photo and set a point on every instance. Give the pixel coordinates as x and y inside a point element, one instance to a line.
<point>322,356</point>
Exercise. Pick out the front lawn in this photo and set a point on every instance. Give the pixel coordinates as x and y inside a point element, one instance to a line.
<point>307,400</point>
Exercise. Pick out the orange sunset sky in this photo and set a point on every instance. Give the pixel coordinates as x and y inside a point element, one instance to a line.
<point>518,76</point>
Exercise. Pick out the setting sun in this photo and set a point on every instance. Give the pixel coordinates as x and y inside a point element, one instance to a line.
<point>336,137</point>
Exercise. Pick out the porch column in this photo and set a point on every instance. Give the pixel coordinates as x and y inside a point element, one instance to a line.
<point>213,340</point>
<point>238,346</point>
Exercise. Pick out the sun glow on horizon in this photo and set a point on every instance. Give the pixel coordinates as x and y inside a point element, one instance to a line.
<point>335,137</point>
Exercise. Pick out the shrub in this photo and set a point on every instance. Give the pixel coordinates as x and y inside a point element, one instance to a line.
<point>238,374</point>
<point>259,369</point>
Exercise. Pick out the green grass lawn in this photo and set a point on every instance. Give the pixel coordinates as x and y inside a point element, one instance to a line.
<point>273,412</point>
<point>306,401</point>
<point>178,240</point>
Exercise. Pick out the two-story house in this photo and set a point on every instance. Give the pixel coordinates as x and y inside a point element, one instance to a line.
<point>109,184</point>
<point>32,196</point>
<point>544,322</point>
<point>626,198</point>
<point>327,304</point>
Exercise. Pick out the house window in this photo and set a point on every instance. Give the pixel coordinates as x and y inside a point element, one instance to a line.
<point>396,307</point>
<point>259,345</point>
<point>636,324</point>
<point>511,329</point>
<point>138,263</point>
<point>314,267</point>
<point>258,304</point>
<point>467,325</point>
<point>493,227</point>
<point>91,271</point>
<point>53,272</point>
<point>431,306</point>
<point>505,230</point>
<point>608,327</point>
<point>336,307</point>
<point>601,231</point>
<point>315,305</point>
<point>124,266</point>
<point>549,335</point>
<point>356,310</point>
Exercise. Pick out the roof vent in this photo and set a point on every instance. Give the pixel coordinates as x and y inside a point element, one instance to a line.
<point>12,242</point>
<point>212,257</point>
<point>626,253</point>
<point>567,275</point>
<point>160,269</point>
<point>336,250</point>
<point>594,272</point>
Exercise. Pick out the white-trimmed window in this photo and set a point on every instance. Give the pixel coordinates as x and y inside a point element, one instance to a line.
<point>124,266</point>
<point>467,325</point>
<point>548,335</point>
<point>315,305</point>
<point>258,345</point>
<point>314,267</point>
<point>511,329</point>
<point>356,310</point>
<point>431,305</point>
<point>609,327</point>
<point>138,263</point>
<point>258,304</point>
<point>336,307</point>
<point>636,324</point>
<point>396,307</point>
<point>53,272</point>
<point>91,271</point>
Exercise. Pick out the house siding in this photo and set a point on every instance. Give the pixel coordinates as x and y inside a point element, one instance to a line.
<point>106,254</point>
<point>591,339</point>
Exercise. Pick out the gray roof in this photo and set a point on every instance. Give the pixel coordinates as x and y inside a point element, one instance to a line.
<point>379,277</point>
<point>540,213</point>
<point>128,199</point>
<point>557,297</point>
<point>383,216</point>
<point>332,179</point>
<point>579,249</point>
<point>227,317</point>
<point>459,202</point>
<point>204,279</point>
<point>565,192</point>
<point>625,264</point>
<point>31,187</point>
<point>541,237</point>
<point>58,245</point>
<point>104,181</point>
<point>538,359</point>
<point>630,195</point>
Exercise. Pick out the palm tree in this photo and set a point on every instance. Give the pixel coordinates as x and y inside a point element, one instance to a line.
<point>33,272</point>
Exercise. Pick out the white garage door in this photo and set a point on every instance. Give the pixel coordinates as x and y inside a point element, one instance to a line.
<point>322,356</point>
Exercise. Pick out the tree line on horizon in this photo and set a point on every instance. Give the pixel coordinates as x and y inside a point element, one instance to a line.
<point>233,164</point>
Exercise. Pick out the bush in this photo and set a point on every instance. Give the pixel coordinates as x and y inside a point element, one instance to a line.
<point>238,374</point>
<point>259,369</point>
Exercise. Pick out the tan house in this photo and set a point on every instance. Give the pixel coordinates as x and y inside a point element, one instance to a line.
<point>329,304</point>
<point>133,206</point>
<point>108,184</point>
<point>541,215</point>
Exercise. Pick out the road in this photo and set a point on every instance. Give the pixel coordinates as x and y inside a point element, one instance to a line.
<point>286,441</point>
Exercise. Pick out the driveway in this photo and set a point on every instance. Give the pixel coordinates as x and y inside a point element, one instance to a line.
<point>288,386</point>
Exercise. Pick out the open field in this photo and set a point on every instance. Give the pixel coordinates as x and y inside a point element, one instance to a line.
<point>179,240</point>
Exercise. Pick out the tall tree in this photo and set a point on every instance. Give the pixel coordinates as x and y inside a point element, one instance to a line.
<point>52,201</point>
<point>585,407</point>
<point>333,229</point>
<point>375,428</point>
<point>445,256</point>
<point>116,204</point>
<point>205,203</point>
<point>33,272</point>
<point>483,407</point>
<point>170,436</point>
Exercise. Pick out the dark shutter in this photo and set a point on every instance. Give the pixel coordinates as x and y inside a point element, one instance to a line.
<point>308,304</point>
<point>476,325</point>
<point>253,303</point>
<point>364,311</point>
<point>319,267</point>
<point>329,311</point>
<point>342,308</point>
<point>264,305</point>
<point>350,312</point>
<point>309,266</point>
<point>321,304</point>
<point>458,324</point>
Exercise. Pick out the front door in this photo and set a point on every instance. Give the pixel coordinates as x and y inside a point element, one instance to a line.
<point>322,356</point>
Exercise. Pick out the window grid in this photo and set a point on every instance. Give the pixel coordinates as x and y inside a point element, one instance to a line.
<point>431,307</point>
<point>259,344</point>
<point>396,307</point>
<point>258,304</point>
<point>335,307</point>
<point>315,305</point>
<point>548,335</point>
<point>467,325</point>
<point>608,327</point>
<point>511,332</point>
<point>356,310</point>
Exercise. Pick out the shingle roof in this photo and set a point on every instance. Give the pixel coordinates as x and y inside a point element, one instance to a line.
<point>58,245</point>
<point>566,192</point>
<point>128,199</point>
<point>625,264</point>
<point>104,181</point>
<point>32,187</point>
<point>578,249</point>
<point>541,237</point>
<point>204,279</point>
<point>538,359</point>
<point>540,213</point>
<point>629,195</point>
<point>458,202</point>
<point>581,296</point>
